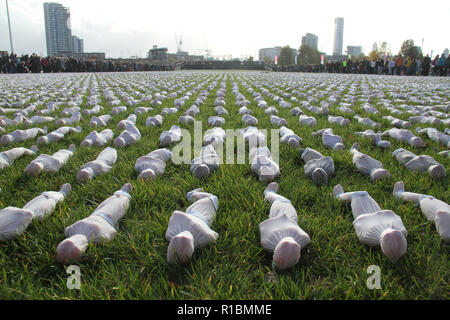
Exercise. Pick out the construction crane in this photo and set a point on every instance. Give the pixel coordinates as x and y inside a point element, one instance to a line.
<point>179,43</point>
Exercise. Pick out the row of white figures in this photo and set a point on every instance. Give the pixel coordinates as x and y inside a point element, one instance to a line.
<point>318,167</point>
<point>422,163</point>
<point>192,229</point>
<point>14,221</point>
<point>280,233</point>
<point>100,226</point>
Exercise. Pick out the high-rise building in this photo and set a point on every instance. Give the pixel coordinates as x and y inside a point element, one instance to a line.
<point>354,51</point>
<point>271,53</point>
<point>311,40</point>
<point>58,31</point>
<point>338,36</point>
<point>78,45</point>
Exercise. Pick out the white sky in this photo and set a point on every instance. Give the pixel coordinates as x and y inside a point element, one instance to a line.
<point>229,27</point>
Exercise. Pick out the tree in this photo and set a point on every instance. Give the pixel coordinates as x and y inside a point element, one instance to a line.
<point>308,55</point>
<point>268,60</point>
<point>286,57</point>
<point>408,49</point>
<point>374,55</point>
<point>250,59</point>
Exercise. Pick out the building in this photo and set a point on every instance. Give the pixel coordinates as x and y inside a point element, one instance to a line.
<point>310,40</point>
<point>338,36</point>
<point>78,46</point>
<point>354,51</point>
<point>158,55</point>
<point>271,53</point>
<point>58,31</point>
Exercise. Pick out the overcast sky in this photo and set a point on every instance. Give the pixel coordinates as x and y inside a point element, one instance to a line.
<point>229,27</point>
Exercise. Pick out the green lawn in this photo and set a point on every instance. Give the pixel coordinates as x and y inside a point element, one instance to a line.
<point>133,265</point>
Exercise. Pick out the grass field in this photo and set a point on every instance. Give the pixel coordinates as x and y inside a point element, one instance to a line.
<point>133,265</point>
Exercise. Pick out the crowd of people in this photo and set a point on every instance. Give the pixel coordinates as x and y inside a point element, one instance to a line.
<point>35,64</point>
<point>396,65</point>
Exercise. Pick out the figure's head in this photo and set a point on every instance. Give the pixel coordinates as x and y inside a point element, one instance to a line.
<point>85,174</point>
<point>416,142</point>
<point>42,140</point>
<point>34,168</point>
<point>181,248</point>
<point>293,143</point>
<point>287,253</point>
<point>7,138</point>
<point>393,244</point>
<point>71,249</point>
<point>119,142</point>
<point>201,171</point>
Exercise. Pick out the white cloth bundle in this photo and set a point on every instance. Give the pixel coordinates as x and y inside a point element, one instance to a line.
<point>420,163</point>
<point>168,137</point>
<point>98,139</point>
<point>74,118</point>
<point>98,227</point>
<point>117,110</point>
<point>215,121</point>
<point>130,136</point>
<point>57,135</point>
<point>100,121</point>
<point>368,165</point>
<point>280,233</point>
<point>49,163</point>
<point>154,121</point>
<point>131,119</point>
<point>307,121</point>
<point>103,164</point>
<point>288,136</point>
<point>152,164</point>
<point>14,221</point>
<point>373,226</point>
<point>404,135</point>
<point>190,230</point>
<point>8,157</point>
<point>375,138</point>
<point>433,209</point>
<point>22,135</point>
<point>263,165</point>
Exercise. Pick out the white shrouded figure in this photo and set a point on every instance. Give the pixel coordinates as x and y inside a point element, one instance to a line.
<point>404,135</point>
<point>14,221</point>
<point>318,167</point>
<point>288,136</point>
<point>215,136</point>
<point>307,121</point>
<point>100,121</point>
<point>340,120</point>
<point>368,165</point>
<point>117,110</point>
<point>280,233</point>
<point>263,165</point>
<point>18,119</point>
<point>330,140</point>
<point>221,111</point>
<point>375,138</point>
<point>142,110</point>
<point>435,135</point>
<point>168,137</point>
<point>186,120</point>
<point>98,139</point>
<point>38,120</point>
<point>191,229</point>
<point>103,164</point>
<point>215,121</point>
<point>367,122</point>
<point>154,121</point>
<point>420,163</point>
<point>98,227</point>
<point>131,119</point>
<point>9,156</point>
<point>253,135</point>
<point>152,164</point>
<point>205,163</point>
<point>399,123</point>
<point>375,227</point>
<point>47,163</point>
<point>433,209</point>
<point>129,136</point>
<point>75,118</point>
<point>249,120</point>
<point>94,110</point>
<point>57,135</point>
<point>277,121</point>
<point>22,135</point>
